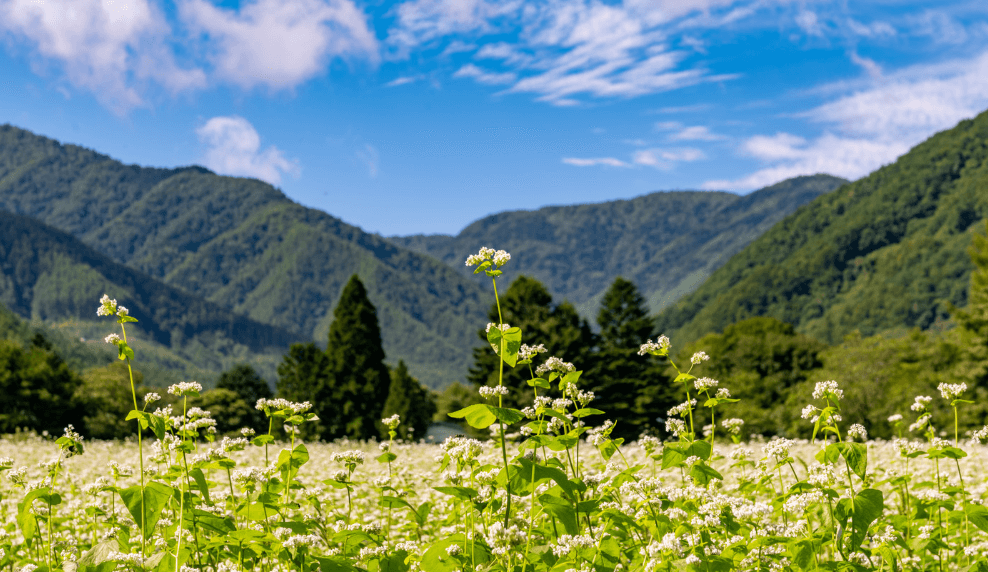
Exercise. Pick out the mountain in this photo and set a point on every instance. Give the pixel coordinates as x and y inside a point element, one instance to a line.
<point>243,245</point>
<point>51,276</point>
<point>668,243</point>
<point>884,252</point>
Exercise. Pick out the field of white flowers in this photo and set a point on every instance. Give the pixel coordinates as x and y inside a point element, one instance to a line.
<point>551,491</point>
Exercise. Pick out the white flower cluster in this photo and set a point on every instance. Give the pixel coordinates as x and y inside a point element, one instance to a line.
<point>798,503</point>
<point>113,339</point>
<point>824,389</point>
<point>980,435</point>
<point>699,357</point>
<point>297,541</point>
<point>185,388</point>
<point>487,391</point>
<point>858,432</point>
<point>497,257</point>
<point>676,427</point>
<point>279,404</point>
<point>705,384</point>
<point>682,409</point>
<point>349,458</point>
<point>895,418</point>
<point>528,352</point>
<point>554,364</point>
<point>778,448</point>
<point>662,343</point>
<point>502,327</point>
<point>392,422</point>
<point>248,478</point>
<point>920,403</point>
<point>567,543</point>
<point>733,425</point>
<point>951,390</point>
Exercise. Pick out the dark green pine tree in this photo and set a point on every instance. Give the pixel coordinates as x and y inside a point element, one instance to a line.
<point>351,398</point>
<point>974,318</point>
<point>249,386</point>
<point>412,401</point>
<point>301,372</point>
<point>620,376</point>
<point>528,305</point>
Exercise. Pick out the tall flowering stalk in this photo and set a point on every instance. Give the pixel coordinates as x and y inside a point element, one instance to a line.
<point>109,307</point>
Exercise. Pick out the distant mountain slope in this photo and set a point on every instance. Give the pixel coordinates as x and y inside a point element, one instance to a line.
<point>242,244</point>
<point>883,252</point>
<point>49,275</point>
<point>668,243</point>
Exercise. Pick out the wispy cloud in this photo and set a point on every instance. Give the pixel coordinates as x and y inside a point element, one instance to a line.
<point>484,76</point>
<point>595,162</point>
<point>369,156</point>
<point>871,127</point>
<point>110,49</point>
<point>696,133</point>
<point>234,148</point>
<point>279,44</point>
<point>403,80</point>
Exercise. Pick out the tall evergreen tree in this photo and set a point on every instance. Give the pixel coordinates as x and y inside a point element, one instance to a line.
<point>412,401</point>
<point>620,376</point>
<point>248,385</point>
<point>528,305</point>
<point>350,399</point>
<point>301,372</point>
<point>974,318</point>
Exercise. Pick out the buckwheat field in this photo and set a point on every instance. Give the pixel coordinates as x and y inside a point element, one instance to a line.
<point>551,490</point>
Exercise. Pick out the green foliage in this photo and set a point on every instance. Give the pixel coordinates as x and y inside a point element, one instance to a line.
<point>412,401</point>
<point>249,386</point>
<point>883,252</point>
<point>627,386</point>
<point>528,305</point>
<point>350,397</point>
<point>974,318</point>
<point>37,389</point>
<point>242,245</point>
<point>104,400</point>
<point>667,243</point>
<point>231,411</point>
<point>762,361</point>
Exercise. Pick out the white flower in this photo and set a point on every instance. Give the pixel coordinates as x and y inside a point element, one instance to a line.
<point>185,388</point>
<point>921,402</point>
<point>895,418</point>
<point>662,343</point>
<point>107,307</point>
<point>150,398</point>
<point>723,393</point>
<point>487,391</point>
<point>827,389</point>
<point>705,384</point>
<point>392,422</point>
<point>528,352</point>
<point>951,390</point>
<point>809,412</point>
<point>554,364</point>
<point>112,339</point>
<point>733,426</point>
<point>699,357</point>
<point>857,431</point>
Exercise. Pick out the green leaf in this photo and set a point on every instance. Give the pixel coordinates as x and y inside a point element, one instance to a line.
<point>867,506</point>
<point>803,551</point>
<point>683,378</point>
<point>704,474</point>
<point>856,455</point>
<point>155,497</point>
<point>673,454</point>
<point>539,382</point>
<point>262,440</point>
<point>562,511</point>
<point>437,559</point>
<point>201,484</point>
<point>579,413</point>
<point>100,553</point>
<point>462,493</point>
<point>978,515</point>
<point>478,415</point>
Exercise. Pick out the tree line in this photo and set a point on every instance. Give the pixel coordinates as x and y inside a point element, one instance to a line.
<point>766,363</point>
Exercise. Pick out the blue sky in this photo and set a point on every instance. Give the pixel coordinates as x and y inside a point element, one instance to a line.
<point>424,115</point>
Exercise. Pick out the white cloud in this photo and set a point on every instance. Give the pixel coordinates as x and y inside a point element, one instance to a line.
<point>104,47</point>
<point>696,133</point>
<point>593,162</point>
<point>234,148</point>
<point>421,21</point>
<point>667,158</point>
<point>404,80</point>
<point>873,126</point>
<point>278,43</point>
<point>483,76</point>
<point>370,157</point>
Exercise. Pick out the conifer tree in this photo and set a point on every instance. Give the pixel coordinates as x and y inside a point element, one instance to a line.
<point>350,399</point>
<point>412,401</point>
<point>975,316</point>
<point>620,376</point>
<point>301,372</point>
<point>528,305</point>
<point>248,385</point>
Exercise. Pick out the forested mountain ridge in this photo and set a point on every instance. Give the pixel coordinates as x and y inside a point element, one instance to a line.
<point>242,244</point>
<point>49,275</point>
<point>887,251</point>
<point>665,242</point>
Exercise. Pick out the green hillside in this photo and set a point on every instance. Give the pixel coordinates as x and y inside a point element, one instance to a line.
<point>243,245</point>
<point>884,252</point>
<point>667,243</point>
<point>50,276</point>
